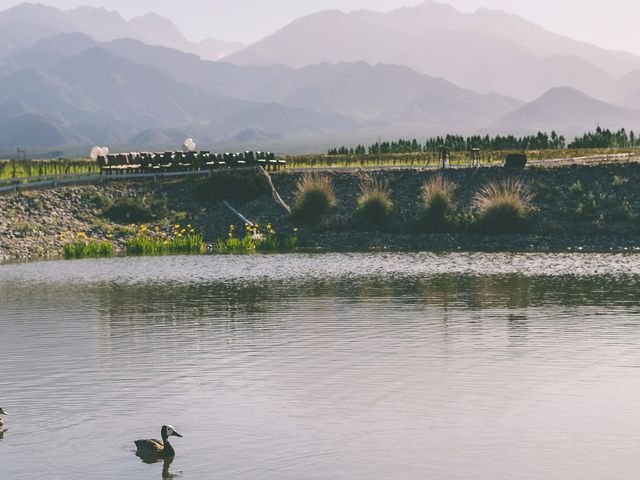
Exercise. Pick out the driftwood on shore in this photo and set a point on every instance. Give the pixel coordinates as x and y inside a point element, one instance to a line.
<point>274,193</point>
<point>238,214</point>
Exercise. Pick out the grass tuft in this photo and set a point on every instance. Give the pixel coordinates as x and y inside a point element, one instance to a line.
<point>374,203</point>
<point>314,198</point>
<point>503,207</point>
<point>436,209</point>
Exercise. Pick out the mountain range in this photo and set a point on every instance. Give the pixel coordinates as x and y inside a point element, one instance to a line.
<point>27,23</point>
<point>486,51</point>
<point>88,76</point>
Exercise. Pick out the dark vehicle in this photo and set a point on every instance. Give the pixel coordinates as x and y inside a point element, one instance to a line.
<point>515,161</point>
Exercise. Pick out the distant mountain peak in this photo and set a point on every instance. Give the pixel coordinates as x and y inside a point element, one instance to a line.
<point>155,19</point>
<point>103,25</point>
<point>31,7</point>
<point>431,5</point>
<point>569,111</point>
<point>95,10</point>
<point>564,94</point>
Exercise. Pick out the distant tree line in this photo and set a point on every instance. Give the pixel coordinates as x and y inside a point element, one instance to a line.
<point>458,143</point>
<point>604,138</point>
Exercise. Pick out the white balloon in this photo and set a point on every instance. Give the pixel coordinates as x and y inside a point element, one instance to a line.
<point>104,151</point>
<point>189,144</point>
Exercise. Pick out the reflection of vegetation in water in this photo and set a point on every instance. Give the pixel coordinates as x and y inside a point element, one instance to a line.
<point>234,310</point>
<point>259,297</point>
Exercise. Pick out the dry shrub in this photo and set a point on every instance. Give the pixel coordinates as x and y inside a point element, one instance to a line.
<point>374,203</point>
<point>314,198</point>
<point>436,209</point>
<point>503,206</point>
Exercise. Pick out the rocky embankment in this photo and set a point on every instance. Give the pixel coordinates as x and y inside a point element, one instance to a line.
<point>577,207</point>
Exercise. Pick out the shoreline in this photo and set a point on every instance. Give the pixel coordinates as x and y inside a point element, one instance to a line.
<point>594,248</point>
<point>578,208</point>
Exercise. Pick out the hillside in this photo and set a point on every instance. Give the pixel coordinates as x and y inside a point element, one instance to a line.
<point>386,94</point>
<point>98,97</point>
<point>369,97</point>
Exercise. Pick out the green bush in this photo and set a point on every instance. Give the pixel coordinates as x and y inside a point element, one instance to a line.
<point>181,240</point>
<point>144,245</point>
<point>374,203</point>
<point>314,199</point>
<point>81,246</point>
<point>436,209</point>
<point>576,188</point>
<point>137,210</point>
<point>257,240</point>
<point>99,201</point>
<point>503,207</point>
<point>233,185</point>
<point>619,182</point>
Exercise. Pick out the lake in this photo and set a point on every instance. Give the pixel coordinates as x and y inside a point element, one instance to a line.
<point>328,366</point>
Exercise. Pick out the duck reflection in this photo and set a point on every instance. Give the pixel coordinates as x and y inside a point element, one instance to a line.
<point>2,432</point>
<point>166,464</point>
<point>166,474</point>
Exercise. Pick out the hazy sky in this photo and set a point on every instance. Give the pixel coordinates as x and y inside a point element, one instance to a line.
<point>612,23</point>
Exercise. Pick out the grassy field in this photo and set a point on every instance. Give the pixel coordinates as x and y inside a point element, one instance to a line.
<point>16,169</point>
<point>422,159</point>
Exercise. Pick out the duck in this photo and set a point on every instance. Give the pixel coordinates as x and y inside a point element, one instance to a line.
<point>158,449</point>
<point>2,412</point>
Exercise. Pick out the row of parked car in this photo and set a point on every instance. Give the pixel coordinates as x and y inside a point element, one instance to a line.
<point>146,162</point>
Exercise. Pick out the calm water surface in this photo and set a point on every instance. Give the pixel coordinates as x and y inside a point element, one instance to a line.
<point>368,366</point>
